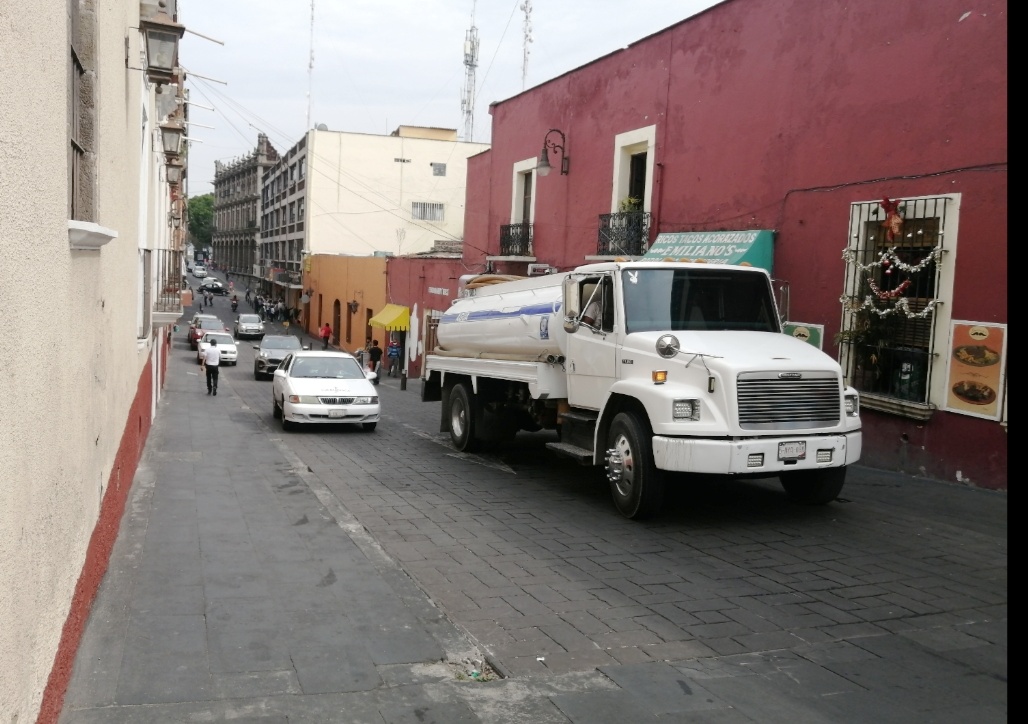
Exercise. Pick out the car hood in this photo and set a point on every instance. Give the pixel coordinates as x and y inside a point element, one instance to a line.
<point>334,388</point>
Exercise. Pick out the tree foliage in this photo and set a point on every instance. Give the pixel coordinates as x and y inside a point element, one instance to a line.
<point>201,220</point>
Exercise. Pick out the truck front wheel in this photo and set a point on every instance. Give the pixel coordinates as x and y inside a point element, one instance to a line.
<point>462,418</point>
<point>636,485</point>
<point>813,487</point>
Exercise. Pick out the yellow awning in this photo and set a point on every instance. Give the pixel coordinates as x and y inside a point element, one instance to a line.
<point>393,318</point>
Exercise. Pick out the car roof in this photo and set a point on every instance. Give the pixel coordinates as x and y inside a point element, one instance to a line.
<point>321,353</point>
<point>211,319</point>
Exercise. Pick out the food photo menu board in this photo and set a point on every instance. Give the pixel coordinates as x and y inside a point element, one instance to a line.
<point>977,363</point>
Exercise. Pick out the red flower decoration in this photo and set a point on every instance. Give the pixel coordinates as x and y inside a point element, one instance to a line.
<point>893,221</point>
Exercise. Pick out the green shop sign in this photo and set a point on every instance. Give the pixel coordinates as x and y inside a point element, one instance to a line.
<point>748,248</point>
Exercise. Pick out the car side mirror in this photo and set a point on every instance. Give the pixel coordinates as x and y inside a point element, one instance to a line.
<point>256,346</point>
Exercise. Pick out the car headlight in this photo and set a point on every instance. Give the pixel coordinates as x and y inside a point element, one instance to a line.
<point>685,409</point>
<point>373,400</point>
<point>304,400</point>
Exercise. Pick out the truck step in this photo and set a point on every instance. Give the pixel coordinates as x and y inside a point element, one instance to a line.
<point>583,456</point>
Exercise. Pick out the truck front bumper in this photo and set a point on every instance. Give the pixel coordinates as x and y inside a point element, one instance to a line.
<point>754,456</point>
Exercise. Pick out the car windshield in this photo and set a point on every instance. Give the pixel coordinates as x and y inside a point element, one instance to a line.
<point>225,339</point>
<point>210,324</point>
<point>336,368</point>
<point>280,343</point>
<point>249,319</point>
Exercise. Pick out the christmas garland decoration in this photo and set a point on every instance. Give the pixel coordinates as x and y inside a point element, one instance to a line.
<point>892,294</point>
<point>889,257</point>
<point>901,305</point>
<point>889,260</point>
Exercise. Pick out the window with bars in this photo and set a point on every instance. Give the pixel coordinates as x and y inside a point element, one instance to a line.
<point>426,211</point>
<point>894,261</point>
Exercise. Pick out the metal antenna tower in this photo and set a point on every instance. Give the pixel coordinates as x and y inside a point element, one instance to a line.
<point>310,70</point>
<point>526,41</point>
<point>467,96</point>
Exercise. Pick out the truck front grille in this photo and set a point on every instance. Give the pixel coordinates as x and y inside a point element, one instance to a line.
<point>767,401</point>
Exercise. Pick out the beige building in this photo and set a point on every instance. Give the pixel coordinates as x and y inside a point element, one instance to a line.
<point>91,218</point>
<point>359,194</point>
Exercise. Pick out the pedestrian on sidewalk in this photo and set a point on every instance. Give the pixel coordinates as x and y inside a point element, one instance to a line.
<point>393,353</point>
<point>326,335</point>
<point>211,363</point>
<point>375,359</point>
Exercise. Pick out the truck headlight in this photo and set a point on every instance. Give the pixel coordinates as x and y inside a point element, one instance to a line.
<point>685,409</point>
<point>852,405</point>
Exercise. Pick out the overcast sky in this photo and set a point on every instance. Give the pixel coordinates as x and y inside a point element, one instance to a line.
<point>379,64</point>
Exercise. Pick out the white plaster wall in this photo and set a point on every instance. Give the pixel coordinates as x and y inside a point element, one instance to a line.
<point>73,362</point>
<point>359,195</point>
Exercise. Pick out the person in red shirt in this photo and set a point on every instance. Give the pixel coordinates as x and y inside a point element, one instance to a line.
<point>326,335</point>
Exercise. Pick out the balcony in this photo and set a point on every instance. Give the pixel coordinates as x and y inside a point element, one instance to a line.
<point>516,239</point>
<point>626,233</point>
<point>167,305</point>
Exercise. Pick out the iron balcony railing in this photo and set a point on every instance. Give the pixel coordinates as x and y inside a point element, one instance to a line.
<point>169,280</point>
<point>625,233</point>
<point>516,239</point>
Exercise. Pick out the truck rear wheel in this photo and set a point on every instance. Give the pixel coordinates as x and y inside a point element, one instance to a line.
<point>636,485</point>
<point>462,418</point>
<point>813,487</point>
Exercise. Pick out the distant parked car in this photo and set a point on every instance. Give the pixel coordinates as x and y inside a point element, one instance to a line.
<point>249,325</point>
<point>316,387</point>
<point>192,324</point>
<point>204,326</point>
<point>227,345</point>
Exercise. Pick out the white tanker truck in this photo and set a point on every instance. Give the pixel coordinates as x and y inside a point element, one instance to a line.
<point>684,369</point>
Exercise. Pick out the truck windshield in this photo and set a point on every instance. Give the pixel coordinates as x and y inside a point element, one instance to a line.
<point>693,299</point>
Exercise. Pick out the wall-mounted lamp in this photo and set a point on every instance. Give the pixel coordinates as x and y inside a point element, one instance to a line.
<point>171,137</point>
<point>174,173</point>
<point>543,167</point>
<point>353,306</point>
<point>162,36</point>
<point>174,219</point>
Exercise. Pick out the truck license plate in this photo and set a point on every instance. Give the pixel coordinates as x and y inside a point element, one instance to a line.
<point>792,450</point>
<point>337,413</point>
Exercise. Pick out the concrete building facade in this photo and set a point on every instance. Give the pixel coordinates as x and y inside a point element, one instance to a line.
<point>237,210</point>
<point>92,211</point>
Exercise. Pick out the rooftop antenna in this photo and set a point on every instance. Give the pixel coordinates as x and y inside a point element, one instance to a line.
<point>526,41</point>
<point>467,98</point>
<point>310,70</point>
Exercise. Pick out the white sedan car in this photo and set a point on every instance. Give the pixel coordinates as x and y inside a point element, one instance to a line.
<point>227,345</point>
<point>324,387</point>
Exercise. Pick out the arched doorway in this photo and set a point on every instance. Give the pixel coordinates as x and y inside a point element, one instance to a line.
<point>336,320</point>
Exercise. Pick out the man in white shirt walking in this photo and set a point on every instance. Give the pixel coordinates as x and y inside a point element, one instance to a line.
<point>211,362</point>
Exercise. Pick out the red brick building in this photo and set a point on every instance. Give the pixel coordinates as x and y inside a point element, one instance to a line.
<point>868,139</point>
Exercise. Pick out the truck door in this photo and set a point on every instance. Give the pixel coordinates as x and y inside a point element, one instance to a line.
<point>592,348</point>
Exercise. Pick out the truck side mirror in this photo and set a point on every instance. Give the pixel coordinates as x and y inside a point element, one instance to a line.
<point>572,305</point>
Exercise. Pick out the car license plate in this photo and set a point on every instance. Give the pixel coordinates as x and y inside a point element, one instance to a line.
<point>337,413</point>
<point>792,450</point>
